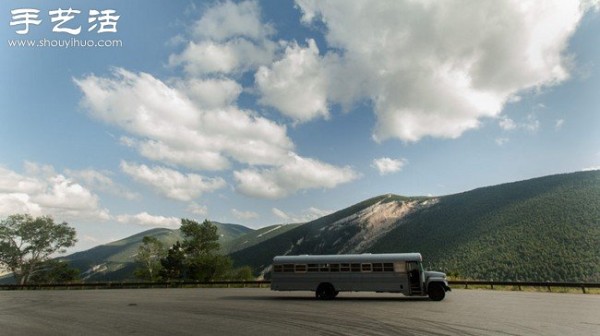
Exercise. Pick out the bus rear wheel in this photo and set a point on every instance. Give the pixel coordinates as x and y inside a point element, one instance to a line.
<point>325,291</point>
<point>436,292</point>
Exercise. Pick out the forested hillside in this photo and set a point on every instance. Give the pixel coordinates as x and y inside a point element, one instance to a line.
<point>115,261</point>
<point>544,229</point>
<point>541,229</point>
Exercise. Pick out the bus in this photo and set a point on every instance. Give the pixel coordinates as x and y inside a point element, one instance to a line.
<point>328,275</point>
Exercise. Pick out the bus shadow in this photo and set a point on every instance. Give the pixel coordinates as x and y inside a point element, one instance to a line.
<point>337,299</point>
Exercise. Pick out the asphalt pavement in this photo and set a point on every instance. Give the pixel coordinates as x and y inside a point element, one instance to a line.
<point>254,311</point>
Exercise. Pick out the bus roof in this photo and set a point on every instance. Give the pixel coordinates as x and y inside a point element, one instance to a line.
<point>347,258</point>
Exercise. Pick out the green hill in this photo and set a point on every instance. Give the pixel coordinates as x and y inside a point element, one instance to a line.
<point>326,235</point>
<point>252,238</point>
<point>115,261</point>
<point>544,229</point>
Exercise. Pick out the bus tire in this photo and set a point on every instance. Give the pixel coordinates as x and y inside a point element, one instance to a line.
<point>325,291</point>
<point>436,292</point>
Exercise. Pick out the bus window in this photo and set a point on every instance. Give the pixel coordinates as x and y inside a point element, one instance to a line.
<point>334,267</point>
<point>324,268</point>
<point>345,268</point>
<point>277,268</point>
<point>399,267</point>
<point>366,267</point>
<point>288,267</point>
<point>388,267</point>
<point>377,267</point>
<point>300,268</point>
<point>355,267</point>
<point>313,267</point>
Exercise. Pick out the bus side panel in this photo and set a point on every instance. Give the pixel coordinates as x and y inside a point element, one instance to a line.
<point>353,282</point>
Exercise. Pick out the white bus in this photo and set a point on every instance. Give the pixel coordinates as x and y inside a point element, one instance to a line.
<point>327,275</point>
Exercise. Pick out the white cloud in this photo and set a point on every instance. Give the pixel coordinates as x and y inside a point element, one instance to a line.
<point>244,215</point>
<point>591,168</point>
<point>387,165</point>
<point>171,183</point>
<point>296,85</point>
<point>437,68</point>
<point>169,127</point>
<point>98,180</point>
<point>210,93</point>
<point>42,191</point>
<point>209,57</point>
<point>228,19</point>
<point>228,38</point>
<point>147,220</point>
<point>297,173</point>
<point>558,124</point>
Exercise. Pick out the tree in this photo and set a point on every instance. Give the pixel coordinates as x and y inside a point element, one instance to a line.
<point>201,247</point>
<point>149,255</point>
<point>26,242</point>
<point>200,239</point>
<point>54,271</point>
<point>173,264</point>
<point>241,274</point>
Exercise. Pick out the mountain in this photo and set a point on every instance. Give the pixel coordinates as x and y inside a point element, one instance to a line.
<point>545,228</point>
<point>254,237</point>
<point>542,229</point>
<point>115,261</point>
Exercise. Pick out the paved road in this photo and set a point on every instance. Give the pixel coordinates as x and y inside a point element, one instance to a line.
<point>246,311</point>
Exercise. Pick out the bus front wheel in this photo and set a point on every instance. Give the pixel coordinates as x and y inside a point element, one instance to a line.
<point>325,291</point>
<point>436,292</point>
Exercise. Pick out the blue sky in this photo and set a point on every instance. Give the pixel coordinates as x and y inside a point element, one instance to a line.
<point>268,112</point>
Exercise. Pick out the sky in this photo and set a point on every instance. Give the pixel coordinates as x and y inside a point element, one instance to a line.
<point>122,116</point>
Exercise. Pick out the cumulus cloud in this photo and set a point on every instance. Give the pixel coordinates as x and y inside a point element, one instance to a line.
<point>209,57</point>
<point>147,220</point>
<point>228,38</point>
<point>42,191</point>
<point>437,68</point>
<point>228,19</point>
<point>210,93</point>
<point>387,165</point>
<point>171,183</point>
<point>169,127</point>
<point>100,181</point>
<point>296,85</point>
<point>297,173</point>
<point>166,126</point>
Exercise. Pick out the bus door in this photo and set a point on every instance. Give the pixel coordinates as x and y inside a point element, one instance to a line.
<point>413,270</point>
